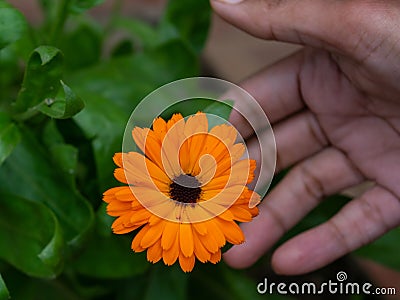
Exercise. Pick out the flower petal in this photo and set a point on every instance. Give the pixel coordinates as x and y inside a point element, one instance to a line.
<point>170,148</point>
<point>149,197</point>
<point>122,224</point>
<point>186,263</point>
<point>160,128</point>
<point>196,133</point>
<point>138,238</point>
<point>169,235</point>
<point>215,231</point>
<point>119,174</point>
<point>149,143</point>
<point>139,216</point>
<point>139,170</point>
<point>200,228</point>
<point>171,255</point>
<point>186,239</point>
<point>152,235</point>
<point>215,257</point>
<point>240,214</point>
<point>117,208</point>
<point>109,195</point>
<point>118,159</point>
<point>125,194</point>
<point>200,251</point>
<point>225,133</point>
<point>154,253</point>
<point>231,231</point>
<point>224,165</point>
<point>209,242</point>
<point>174,119</point>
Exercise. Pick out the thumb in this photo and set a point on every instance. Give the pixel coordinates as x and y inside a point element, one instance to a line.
<point>318,23</point>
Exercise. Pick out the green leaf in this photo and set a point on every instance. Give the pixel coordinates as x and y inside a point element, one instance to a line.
<point>104,221</point>
<point>123,48</point>
<point>9,75</point>
<point>189,20</point>
<point>385,250</point>
<point>141,32</point>
<point>31,236</point>
<point>79,6</point>
<point>51,135</point>
<point>242,287</point>
<point>64,156</point>
<point>124,81</point>
<point>4,294</point>
<point>113,89</point>
<point>41,81</point>
<point>222,109</point>
<point>105,130</point>
<point>65,105</point>
<point>89,39</point>
<point>194,105</point>
<point>219,109</point>
<point>9,137</point>
<point>30,167</point>
<point>171,283</point>
<point>110,255</point>
<point>23,287</point>
<point>220,282</point>
<point>12,24</point>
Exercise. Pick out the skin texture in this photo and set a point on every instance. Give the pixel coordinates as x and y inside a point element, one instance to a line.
<point>335,111</point>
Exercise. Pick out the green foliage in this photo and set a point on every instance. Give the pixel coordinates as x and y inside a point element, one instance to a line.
<point>190,25</point>
<point>79,6</point>
<point>67,88</point>
<point>36,252</point>
<point>9,136</point>
<point>224,284</point>
<point>30,166</point>
<point>4,293</point>
<point>171,284</point>
<point>385,250</point>
<point>62,117</point>
<point>65,105</point>
<point>12,24</point>
<point>42,78</point>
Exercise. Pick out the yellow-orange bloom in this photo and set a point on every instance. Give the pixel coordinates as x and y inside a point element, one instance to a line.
<point>185,193</point>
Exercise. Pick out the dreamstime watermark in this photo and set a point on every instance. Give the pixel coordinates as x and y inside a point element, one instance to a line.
<point>334,287</point>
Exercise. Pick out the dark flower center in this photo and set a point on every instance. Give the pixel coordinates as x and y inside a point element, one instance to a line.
<point>185,189</point>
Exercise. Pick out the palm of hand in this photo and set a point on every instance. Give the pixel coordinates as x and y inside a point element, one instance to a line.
<point>336,118</point>
<point>365,127</point>
<point>337,135</point>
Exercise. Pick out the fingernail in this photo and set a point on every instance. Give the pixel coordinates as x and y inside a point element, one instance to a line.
<point>229,1</point>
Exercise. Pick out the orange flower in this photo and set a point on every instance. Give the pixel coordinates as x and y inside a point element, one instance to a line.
<point>185,193</point>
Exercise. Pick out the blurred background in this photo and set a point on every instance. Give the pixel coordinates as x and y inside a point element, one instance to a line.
<point>232,55</point>
<point>229,53</point>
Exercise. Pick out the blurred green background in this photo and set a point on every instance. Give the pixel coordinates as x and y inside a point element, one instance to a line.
<point>68,83</point>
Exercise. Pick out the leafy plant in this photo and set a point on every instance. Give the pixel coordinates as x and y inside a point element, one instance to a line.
<point>66,92</point>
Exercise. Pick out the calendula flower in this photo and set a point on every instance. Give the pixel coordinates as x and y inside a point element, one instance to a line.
<point>185,192</point>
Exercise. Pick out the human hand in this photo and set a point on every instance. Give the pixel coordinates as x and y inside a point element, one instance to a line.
<point>335,111</point>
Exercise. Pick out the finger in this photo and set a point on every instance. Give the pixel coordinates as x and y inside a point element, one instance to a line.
<point>298,193</point>
<point>296,138</point>
<point>317,23</point>
<point>276,88</point>
<point>358,223</point>
<point>301,130</point>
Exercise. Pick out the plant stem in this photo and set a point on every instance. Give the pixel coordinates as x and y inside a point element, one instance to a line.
<point>115,12</point>
<point>29,113</point>
<point>61,17</point>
